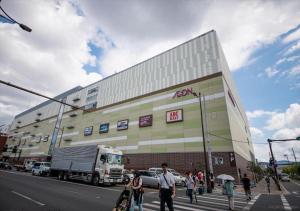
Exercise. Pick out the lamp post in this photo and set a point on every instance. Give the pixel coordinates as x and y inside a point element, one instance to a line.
<point>11,20</point>
<point>204,145</point>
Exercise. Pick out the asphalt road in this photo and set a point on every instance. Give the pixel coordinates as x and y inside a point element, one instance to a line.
<point>22,192</point>
<point>270,202</point>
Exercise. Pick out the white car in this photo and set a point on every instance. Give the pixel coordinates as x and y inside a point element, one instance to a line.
<point>28,164</point>
<point>284,177</point>
<point>41,168</point>
<point>179,179</point>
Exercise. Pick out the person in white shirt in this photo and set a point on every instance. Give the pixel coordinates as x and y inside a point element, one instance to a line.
<point>166,188</point>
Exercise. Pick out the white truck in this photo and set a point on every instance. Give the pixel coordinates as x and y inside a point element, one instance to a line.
<point>96,164</point>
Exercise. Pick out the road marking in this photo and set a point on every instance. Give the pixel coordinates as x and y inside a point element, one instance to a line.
<point>295,182</point>
<point>52,179</point>
<point>28,198</point>
<point>251,203</point>
<point>295,192</point>
<point>199,206</point>
<point>285,203</point>
<point>224,199</point>
<point>208,202</point>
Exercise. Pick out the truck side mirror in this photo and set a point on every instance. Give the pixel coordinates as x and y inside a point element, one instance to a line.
<point>103,158</point>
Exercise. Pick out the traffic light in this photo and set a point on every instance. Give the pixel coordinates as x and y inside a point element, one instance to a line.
<point>271,162</point>
<point>298,138</point>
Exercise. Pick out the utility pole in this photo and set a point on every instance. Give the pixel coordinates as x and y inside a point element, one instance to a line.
<point>274,165</point>
<point>204,149</point>
<point>294,155</point>
<point>208,138</point>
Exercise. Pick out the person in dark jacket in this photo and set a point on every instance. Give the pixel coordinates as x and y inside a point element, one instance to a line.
<point>246,184</point>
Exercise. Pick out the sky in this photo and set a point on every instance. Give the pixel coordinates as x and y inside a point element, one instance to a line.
<point>79,42</point>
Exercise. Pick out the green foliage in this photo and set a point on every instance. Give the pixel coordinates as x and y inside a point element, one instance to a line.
<point>256,168</point>
<point>292,170</point>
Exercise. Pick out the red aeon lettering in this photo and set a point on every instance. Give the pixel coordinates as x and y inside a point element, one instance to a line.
<point>184,92</point>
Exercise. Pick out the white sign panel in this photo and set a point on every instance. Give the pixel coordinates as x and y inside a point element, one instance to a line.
<point>174,116</point>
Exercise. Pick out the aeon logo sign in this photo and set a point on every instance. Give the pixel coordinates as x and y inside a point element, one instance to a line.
<point>183,92</point>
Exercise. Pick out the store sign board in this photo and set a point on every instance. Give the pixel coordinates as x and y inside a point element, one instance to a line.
<point>104,128</point>
<point>145,121</point>
<point>122,124</point>
<point>174,116</point>
<point>88,131</point>
<point>232,159</point>
<point>183,92</point>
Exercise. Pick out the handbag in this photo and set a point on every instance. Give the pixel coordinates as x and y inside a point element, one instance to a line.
<point>224,191</point>
<point>171,187</point>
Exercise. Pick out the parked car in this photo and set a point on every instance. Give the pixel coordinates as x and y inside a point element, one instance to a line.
<point>284,177</point>
<point>127,176</point>
<point>157,171</point>
<point>28,164</point>
<point>179,179</point>
<point>5,165</point>
<point>149,178</point>
<point>41,168</point>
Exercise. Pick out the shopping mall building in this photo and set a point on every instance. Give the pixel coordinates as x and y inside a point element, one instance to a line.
<point>151,111</point>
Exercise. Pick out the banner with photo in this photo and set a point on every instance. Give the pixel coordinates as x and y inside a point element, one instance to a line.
<point>122,124</point>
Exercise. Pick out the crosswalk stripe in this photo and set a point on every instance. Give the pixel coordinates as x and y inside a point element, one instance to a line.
<point>224,196</point>
<point>200,197</point>
<point>182,207</point>
<point>185,208</point>
<point>204,207</point>
<point>209,202</point>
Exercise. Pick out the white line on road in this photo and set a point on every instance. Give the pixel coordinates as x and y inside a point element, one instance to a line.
<point>28,198</point>
<point>285,203</point>
<point>250,203</point>
<point>208,202</point>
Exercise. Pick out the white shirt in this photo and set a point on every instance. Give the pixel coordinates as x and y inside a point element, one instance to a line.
<point>169,177</point>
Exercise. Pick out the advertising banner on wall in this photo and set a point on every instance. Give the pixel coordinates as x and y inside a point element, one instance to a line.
<point>104,128</point>
<point>174,116</point>
<point>145,121</point>
<point>88,131</point>
<point>122,124</point>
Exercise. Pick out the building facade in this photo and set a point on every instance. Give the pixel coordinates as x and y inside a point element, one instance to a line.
<point>150,111</point>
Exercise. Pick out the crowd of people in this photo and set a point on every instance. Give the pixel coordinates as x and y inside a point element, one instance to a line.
<point>195,181</point>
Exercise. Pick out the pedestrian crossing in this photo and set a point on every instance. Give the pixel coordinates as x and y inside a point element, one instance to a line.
<point>207,202</point>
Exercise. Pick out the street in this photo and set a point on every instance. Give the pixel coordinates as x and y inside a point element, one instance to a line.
<point>21,192</point>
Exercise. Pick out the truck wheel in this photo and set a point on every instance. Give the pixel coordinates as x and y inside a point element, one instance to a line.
<point>60,175</point>
<point>95,180</point>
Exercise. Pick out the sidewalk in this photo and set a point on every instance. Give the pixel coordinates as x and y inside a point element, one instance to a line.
<point>261,187</point>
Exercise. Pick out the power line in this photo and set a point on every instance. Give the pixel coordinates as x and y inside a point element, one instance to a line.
<point>41,95</point>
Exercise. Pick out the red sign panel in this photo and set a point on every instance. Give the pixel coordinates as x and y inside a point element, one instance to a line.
<point>174,116</point>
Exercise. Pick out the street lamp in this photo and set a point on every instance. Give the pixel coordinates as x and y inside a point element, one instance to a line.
<point>11,20</point>
<point>207,176</point>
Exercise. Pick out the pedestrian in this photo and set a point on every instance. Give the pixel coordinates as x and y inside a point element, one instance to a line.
<point>212,181</point>
<point>200,177</point>
<point>268,183</point>
<point>190,184</point>
<point>137,189</point>
<point>166,188</point>
<point>247,184</point>
<point>228,190</point>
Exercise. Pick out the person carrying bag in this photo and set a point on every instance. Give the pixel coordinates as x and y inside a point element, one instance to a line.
<point>138,191</point>
<point>166,188</point>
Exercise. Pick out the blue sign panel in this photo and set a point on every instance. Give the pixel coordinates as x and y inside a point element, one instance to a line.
<point>104,128</point>
<point>88,131</point>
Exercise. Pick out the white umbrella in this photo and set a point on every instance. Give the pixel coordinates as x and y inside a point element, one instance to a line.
<point>225,177</point>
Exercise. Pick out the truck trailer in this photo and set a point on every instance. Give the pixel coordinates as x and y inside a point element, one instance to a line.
<point>96,164</point>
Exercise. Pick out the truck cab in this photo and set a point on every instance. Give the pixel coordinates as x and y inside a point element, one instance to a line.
<point>109,165</point>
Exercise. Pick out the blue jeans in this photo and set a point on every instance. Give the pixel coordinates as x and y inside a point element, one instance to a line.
<point>134,204</point>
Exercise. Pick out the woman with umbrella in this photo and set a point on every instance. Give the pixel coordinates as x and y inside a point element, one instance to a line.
<point>228,189</point>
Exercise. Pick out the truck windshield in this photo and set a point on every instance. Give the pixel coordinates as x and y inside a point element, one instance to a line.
<point>114,159</point>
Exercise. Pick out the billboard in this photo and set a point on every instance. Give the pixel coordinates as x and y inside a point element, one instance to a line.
<point>104,128</point>
<point>122,124</point>
<point>174,116</point>
<point>88,131</point>
<point>145,121</point>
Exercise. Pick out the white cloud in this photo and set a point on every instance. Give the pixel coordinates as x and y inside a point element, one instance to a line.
<point>293,48</point>
<point>288,119</point>
<point>256,133</point>
<point>271,72</point>
<point>295,70</point>
<point>292,37</point>
<point>261,152</point>
<point>259,113</point>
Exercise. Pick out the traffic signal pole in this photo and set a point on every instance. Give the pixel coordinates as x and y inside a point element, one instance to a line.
<point>275,169</point>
